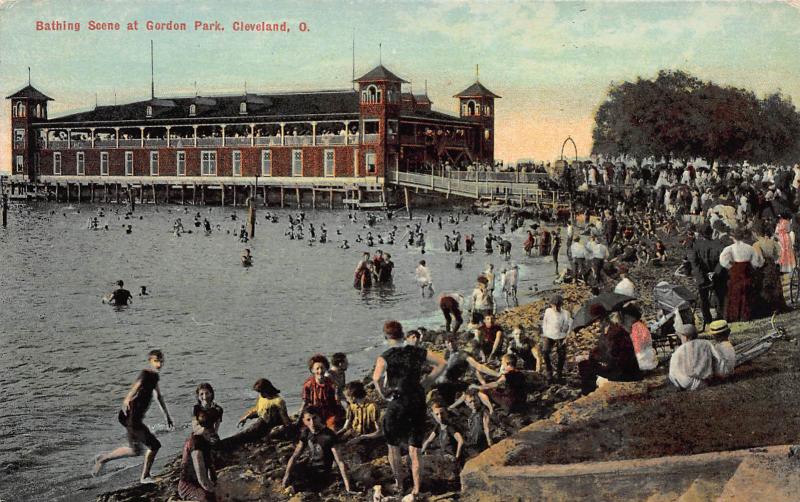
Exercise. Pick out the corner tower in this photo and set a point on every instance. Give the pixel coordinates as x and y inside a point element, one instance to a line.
<point>379,109</point>
<point>477,105</point>
<point>28,107</point>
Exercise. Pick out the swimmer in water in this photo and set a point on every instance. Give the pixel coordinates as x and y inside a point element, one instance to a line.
<point>143,291</point>
<point>129,229</point>
<point>119,296</point>
<point>247,258</point>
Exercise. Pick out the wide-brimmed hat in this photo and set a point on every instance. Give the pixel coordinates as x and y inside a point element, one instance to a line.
<point>718,327</point>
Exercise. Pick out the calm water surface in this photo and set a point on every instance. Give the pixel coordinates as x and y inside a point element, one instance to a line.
<point>67,361</point>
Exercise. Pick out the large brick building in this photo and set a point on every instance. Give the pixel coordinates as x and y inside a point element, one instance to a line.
<point>341,134</point>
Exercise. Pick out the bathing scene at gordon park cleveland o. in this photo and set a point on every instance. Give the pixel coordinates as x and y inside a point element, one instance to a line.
<point>392,284</point>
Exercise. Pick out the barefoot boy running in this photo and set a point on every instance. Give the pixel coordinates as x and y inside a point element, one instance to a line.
<point>133,410</point>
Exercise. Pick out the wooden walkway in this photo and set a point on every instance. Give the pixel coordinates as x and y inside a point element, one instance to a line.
<point>489,186</point>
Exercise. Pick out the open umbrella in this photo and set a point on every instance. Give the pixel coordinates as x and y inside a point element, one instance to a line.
<point>597,307</point>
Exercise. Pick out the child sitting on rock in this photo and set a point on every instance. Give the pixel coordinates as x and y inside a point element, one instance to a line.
<point>362,417</point>
<point>449,440</point>
<point>314,474</point>
<point>319,391</point>
<point>510,391</point>
<point>478,433</point>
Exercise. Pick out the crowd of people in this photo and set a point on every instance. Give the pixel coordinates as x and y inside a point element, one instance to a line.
<point>732,230</point>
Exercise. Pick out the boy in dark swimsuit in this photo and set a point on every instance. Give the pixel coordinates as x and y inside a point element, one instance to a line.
<point>132,414</point>
<point>120,296</point>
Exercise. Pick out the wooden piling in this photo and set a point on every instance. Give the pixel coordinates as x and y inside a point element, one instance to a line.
<point>116,192</point>
<point>330,197</point>
<point>203,195</point>
<point>234,195</point>
<point>167,195</point>
<point>79,192</point>
<point>183,195</point>
<point>408,204</point>
<point>297,192</point>
<point>313,198</point>
<point>91,192</point>
<point>281,196</point>
<point>153,186</point>
<point>223,194</point>
<point>57,185</point>
<point>194,194</point>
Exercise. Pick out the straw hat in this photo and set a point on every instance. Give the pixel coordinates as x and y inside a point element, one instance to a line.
<point>717,327</point>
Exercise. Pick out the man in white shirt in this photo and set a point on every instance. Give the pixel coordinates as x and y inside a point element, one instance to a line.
<point>578,252</point>
<point>693,362</point>
<point>599,253</point>
<point>726,354</point>
<point>556,322</point>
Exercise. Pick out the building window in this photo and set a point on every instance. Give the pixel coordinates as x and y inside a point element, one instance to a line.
<point>208,163</point>
<point>472,109</point>
<point>19,109</point>
<point>19,138</point>
<point>297,162</point>
<point>266,163</point>
<point>20,163</point>
<point>103,163</point>
<point>192,110</point>
<point>180,163</point>
<point>37,110</point>
<point>153,163</point>
<point>57,163</point>
<point>128,163</point>
<point>236,163</point>
<point>243,108</point>
<point>487,110</point>
<point>149,112</point>
<point>328,159</point>
<point>80,163</point>
<point>369,161</point>
<point>371,94</point>
<point>487,134</point>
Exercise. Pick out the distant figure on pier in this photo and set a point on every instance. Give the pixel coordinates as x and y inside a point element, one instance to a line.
<point>119,296</point>
<point>247,258</point>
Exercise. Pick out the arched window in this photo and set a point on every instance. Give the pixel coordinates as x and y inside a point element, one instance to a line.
<point>149,111</point>
<point>19,109</point>
<point>242,108</point>
<point>192,110</point>
<point>471,108</point>
<point>372,94</point>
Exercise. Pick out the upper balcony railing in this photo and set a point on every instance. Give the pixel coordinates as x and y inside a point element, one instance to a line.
<point>190,142</point>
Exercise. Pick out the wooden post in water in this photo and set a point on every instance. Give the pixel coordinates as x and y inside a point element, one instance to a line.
<point>264,191</point>
<point>153,186</point>
<point>57,185</point>
<point>313,198</point>
<point>330,198</point>
<point>223,194</point>
<point>281,196</point>
<point>183,195</point>
<point>5,210</point>
<point>194,194</point>
<point>91,192</point>
<point>79,192</point>
<point>203,195</point>
<point>116,192</point>
<point>408,203</point>
<point>167,199</point>
<point>234,194</point>
<point>297,192</point>
<point>251,216</point>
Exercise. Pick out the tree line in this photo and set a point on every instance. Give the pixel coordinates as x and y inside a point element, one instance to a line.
<point>677,116</point>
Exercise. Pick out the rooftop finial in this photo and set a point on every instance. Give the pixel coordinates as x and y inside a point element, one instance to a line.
<point>354,59</point>
<point>426,86</point>
<point>245,87</point>
<point>380,53</point>
<point>195,88</point>
<point>29,75</point>
<point>477,73</point>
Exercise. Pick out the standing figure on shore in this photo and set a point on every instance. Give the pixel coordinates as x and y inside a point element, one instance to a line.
<point>786,238</point>
<point>131,416</point>
<point>405,416</point>
<point>450,305</point>
<point>768,278</point>
<point>740,259</point>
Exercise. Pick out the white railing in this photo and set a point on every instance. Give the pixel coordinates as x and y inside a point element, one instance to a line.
<point>215,141</point>
<point>155,142</point>
<point>237,141</point>
<point>330,140</point>
<point>298,140</point>
<point>370,138</point>
<point>58,144</point>
<point>181,142</point>
<point>105,143</point>
<point>130,142</point>
<point>269,140</point>
<point>476,189</point>
<point>76,143</point>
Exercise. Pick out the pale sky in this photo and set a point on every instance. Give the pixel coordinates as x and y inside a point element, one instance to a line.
<point>551,62</point>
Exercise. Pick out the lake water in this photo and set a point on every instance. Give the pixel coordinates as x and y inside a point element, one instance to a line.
<point>67,360</point>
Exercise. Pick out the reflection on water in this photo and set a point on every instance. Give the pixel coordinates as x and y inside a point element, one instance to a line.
<point>68,360</point>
